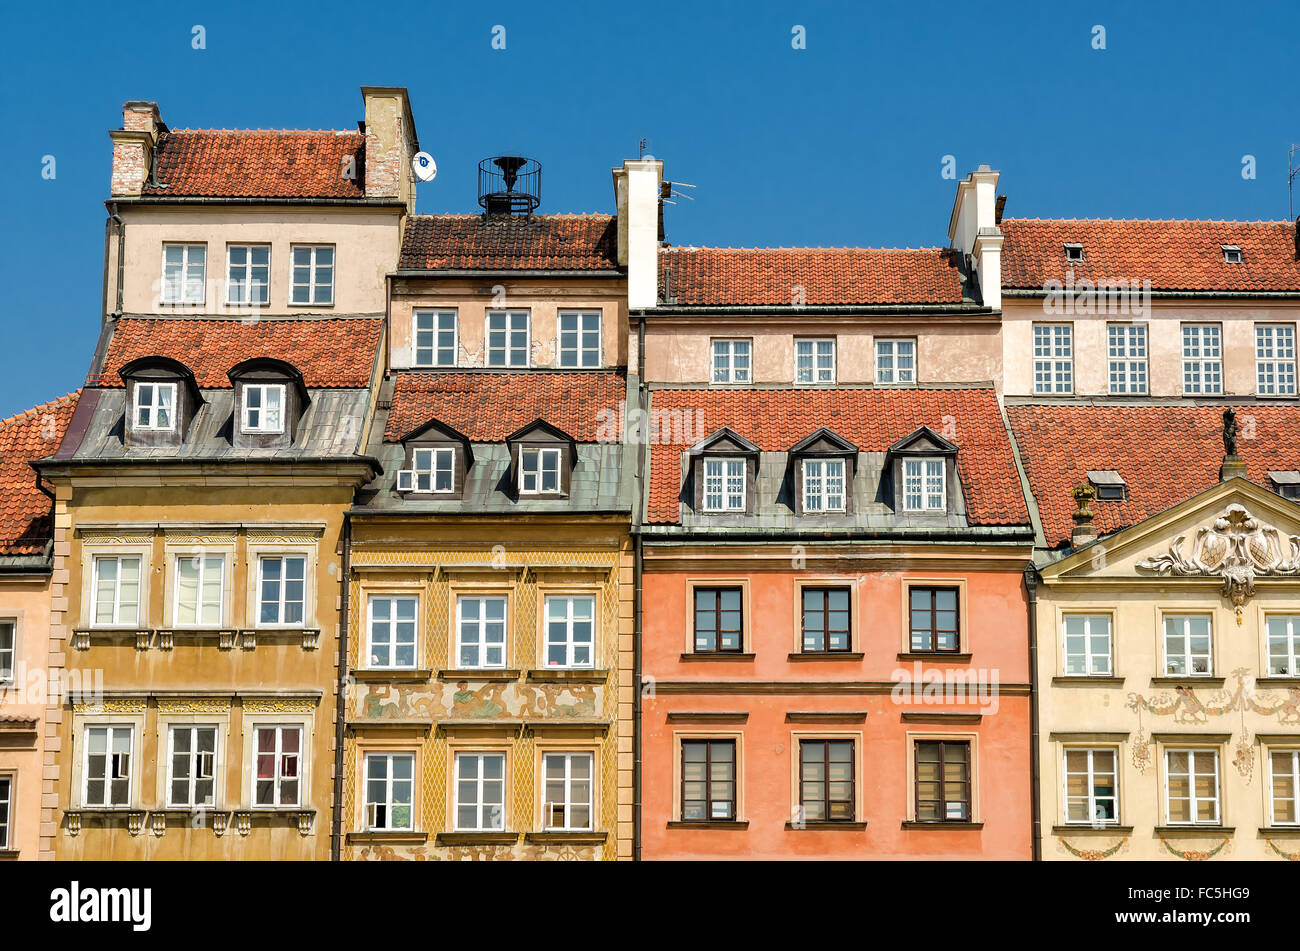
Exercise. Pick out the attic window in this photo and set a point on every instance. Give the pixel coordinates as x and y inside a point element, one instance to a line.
<point>1231,253</point>
<point>923,485</point>
<point>154,406</point>
<point>539,471</point>
<point>724,485</point>
<point>1109,485</point>
<point>1074,252</point>
<point>432,470</point>
<point>263,408</point>
<point>1286,484</point>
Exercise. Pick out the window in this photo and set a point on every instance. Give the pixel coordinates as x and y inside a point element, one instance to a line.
<point>934,619</point>
<point>116,596</point>
<point>1090,795</point>
<point>826,780</point>
<point>1053,358</point>
<point>708,780</point>
<point>826,620</point>
<point>280,589</point>
<point>199,589</point>
<point>814,361</point>
<point>923,485</point>
<point>1202,359</point>
<point>580,338</point>
<point>392,631</point>
<point>1087,645</point>
<point>155,406</point>
<point>1192,783</point>
<point>184,271</point>
<point>1275,359</point>
<point>823,485</point>
<point>731,361</point>
<point>943,781</point>
<point>248,274</point>
<point>724,485</point>
<point>1283,645</point>
<point>1284,785</point>
<point>567,806</point>
<point>481,632</point>
<point>507,338</point>
<point>8,647</point>
<point>569,631</point>
<point>1126,349</point>
<point>193,766</point>
<point>539,471</point>
<point>895,361</point>
<point>107,777</point>
<point>1109,485</point>
<point>1187,645</point>
<point>718,620</point>
<point>433,470</point>
<point>263,407</point>
<point>6,809</point>
<point>436,338</point>
<point>480,792</point>
<point>278,761</point>
<point>313,274</point>
<point>1074,252</point>
<point>390,785</point>
<point>1231,253</point>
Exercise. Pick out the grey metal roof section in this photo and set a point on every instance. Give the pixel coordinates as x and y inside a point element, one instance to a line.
<point>1105,477</point>
<point>1285,477</point>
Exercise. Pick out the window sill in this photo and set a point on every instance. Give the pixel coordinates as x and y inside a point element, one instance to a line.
<point>490,674</point>
<point>1278,681</point>
<point>7,855</point>
<point>566,838</point>
<point>821,826</point>
<point>827,655</point>
<point>573,675</point>
<point>1092,830</point>
<point>392,674</point>
<point>1188,681</point>
<point>1280,832</point>
<point>914,824</point>
<point>1082,680</point>
<point>709,824</point>
<point>949,657</point>
<point>1194,831</point>
<point>724,656</point>
<point>477,838</point>
<point>392,836</point>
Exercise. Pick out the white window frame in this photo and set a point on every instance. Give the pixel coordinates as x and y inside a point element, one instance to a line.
<point>204,567</point>
<point>1126,359</point>
<point>424,477</point>
<point>1292,645</point>
<point>6,809</point>
<point>281,602</point>
<point>480,784</point>
<point>389,802</point>
<point>248,284</point>
<point>1202,349</point>
<point>508,348</point>
<point>726,347</point>
<point>1053,350</point>
<point>8,650</point>
<point>931,486</point>
<point>817,495</point>
<point>542,455</point>
<point>482,646</point>
<point>193,765</point>
<point>154,407</point>
<point>731,479</point>
<point>568,642</point>
<point>314,286</point>
<point>579,349</point>
<point>893,375</point>
<point>117,620</point>
<point>1275,359</point>
<point>1294,798</point>
<point>186,276</point>
<point>1194,756</point>
<point>568,782</point>
<point>1088,656</point>
<point>1186,644</point>
<point>1092,797</point>
<point>1230,251</point>
<point>277,781</point>
<point>391,625</point>
<point>110,730</point>
<point>821,357</point>
<point>436,329</point>
<point>264,390</point>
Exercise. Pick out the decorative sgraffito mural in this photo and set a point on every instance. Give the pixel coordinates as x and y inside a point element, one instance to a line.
<point>486,701</point>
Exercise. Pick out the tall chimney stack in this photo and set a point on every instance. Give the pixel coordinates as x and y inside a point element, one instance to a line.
<point>636,193</point>
<point>973,231</point>
<point>133,147</point>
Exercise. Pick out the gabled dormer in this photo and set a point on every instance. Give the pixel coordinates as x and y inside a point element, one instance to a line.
<point>437,459</point>
<point>724,469</point>
<point>270,399</point>
<point>922,467</point>
<point>542,458</point>
<point>161,400</point>
<point>821,468</point>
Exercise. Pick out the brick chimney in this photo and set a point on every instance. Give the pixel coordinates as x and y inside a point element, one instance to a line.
<point>636,195</point>
<point>1084,531</point>
<point>973,231</point>
<point>133,147</point>
<point>391,143</point>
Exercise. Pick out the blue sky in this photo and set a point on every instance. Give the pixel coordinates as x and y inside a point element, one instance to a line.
<point>840,143</point>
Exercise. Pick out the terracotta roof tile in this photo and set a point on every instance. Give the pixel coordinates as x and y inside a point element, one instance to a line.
<point>25,524</point>
<point>488,406</point>
<point>776,419</point>
<point>542,242</point>
<point>1172,255</point>
<point>330,352</point>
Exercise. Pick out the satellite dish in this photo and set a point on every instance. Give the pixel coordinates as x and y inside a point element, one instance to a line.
<point>424,166</point>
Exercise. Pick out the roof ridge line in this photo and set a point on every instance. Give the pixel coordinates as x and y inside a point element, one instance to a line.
<point>41,406</point>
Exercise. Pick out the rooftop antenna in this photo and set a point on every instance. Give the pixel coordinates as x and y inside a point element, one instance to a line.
<point>1292,171</point>
<point>641,147</point>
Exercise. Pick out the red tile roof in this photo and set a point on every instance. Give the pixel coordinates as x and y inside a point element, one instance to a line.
<point>1172,255</point>
<point>501,242</point>
<point>776,419</point>
<point>25,523</point>
<point>330,352</point>
<point>488,406</point>
<point>771,276</point>
<point>1165,454</point>
<point>259,163</point>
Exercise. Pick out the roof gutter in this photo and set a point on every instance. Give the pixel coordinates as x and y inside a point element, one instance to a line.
<point>506,272</point>
<point>1101,287</point>
<point>752,310</point>
<point>254,200</point>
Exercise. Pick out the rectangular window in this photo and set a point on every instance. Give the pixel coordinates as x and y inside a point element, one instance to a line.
<point>278,765</point>
<point>280,589</point>
<point>934,619</point>
<point>724,485</point>
<point>313,274</point>
<point>480,792</point>
<point>392,631</point>
<point>1202,359</point>
<point>193,773</point>
<point>1087,645</point>
<point>1284,786</point>
<point>539,471</point>
<point>731,361</point>
<point>814,361</point>
<point>437,338</point>
<point>155,406</point>
<point>184,273</point>
<point>1192,782</point>
<point>1126,351</point>
<point>115,599</point>
<point>580,338</point>
<point>708,780</point>
<point>923,485</point>
<point>826,780</point>
<point>200,587</point>
<point>107,766</point>
<point>6,809</point>
<point>507,338</point>
<point>1283,645</point>
<point>1275,359</point>
<point>943,788</point>
<point>567,806</point>
<point>248,274</point>
<point>1187,645</point>
<point>8,648</point>
<point>1053,358</point>
<point>1090,792</point>
<point>481,632</point>
<point>434,470</point>
<point>826,620</point>
<point>823,485</point>
<point>390,789</point>
<point>718,620</point>
<point>570,631</point>
<point>895,361</point>
<point>263,407</point>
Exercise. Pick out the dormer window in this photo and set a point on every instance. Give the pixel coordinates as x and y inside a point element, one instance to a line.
<point>1231,253</point>
<point>722,471</point>
<point>432,470</point>
<point>923,485</point>
<point>160,401</point>
<point>263,408</point>
<point>436,461</point>
<point>542,458</point>
<point>1074,253</point>
<point>1286,483</point>
<point>155,407</point>
<point>539,471</point>
<point>1108,484</point>
<point>823,485</point>
<point>270,402</point>
<point>724,485</point>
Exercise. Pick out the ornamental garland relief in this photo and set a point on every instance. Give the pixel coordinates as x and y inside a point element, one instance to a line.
<point>486,701</point>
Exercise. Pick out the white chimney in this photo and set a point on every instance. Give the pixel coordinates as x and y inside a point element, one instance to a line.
<point>636,194</point>
<point>973,231</point>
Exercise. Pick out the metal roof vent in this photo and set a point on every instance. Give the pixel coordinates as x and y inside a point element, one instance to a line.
<point>509,185</point>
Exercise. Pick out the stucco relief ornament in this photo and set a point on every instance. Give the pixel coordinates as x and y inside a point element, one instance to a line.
<point>1238,547</point>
